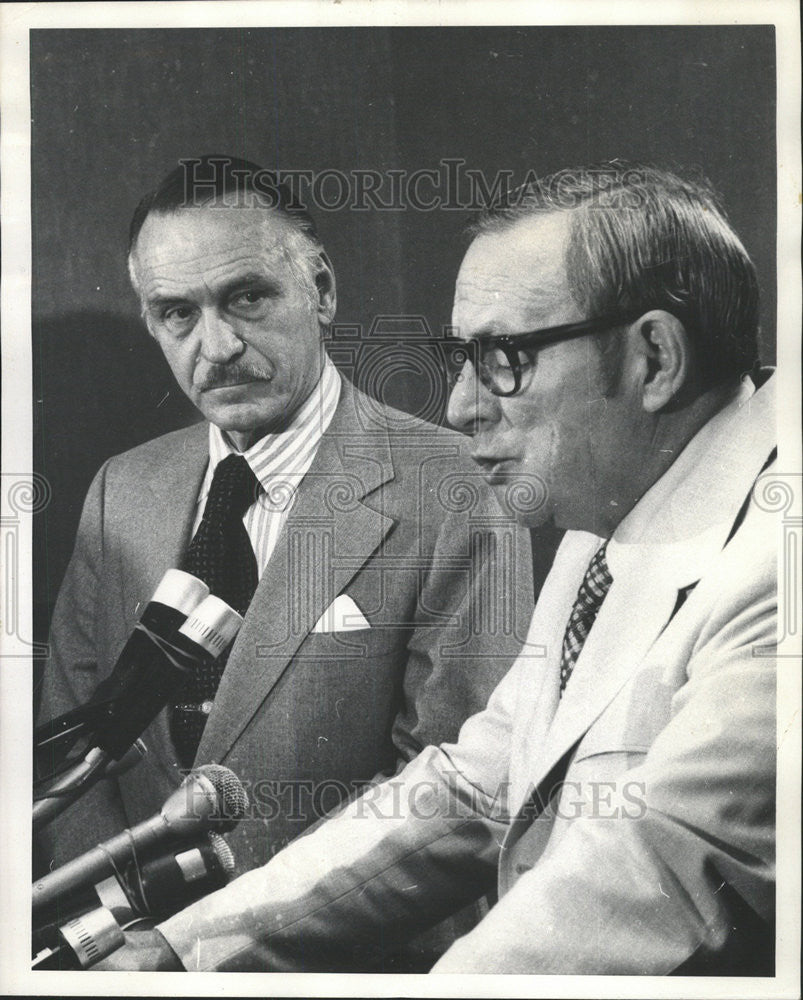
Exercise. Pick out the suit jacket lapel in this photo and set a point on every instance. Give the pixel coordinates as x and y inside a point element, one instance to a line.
<point>535,714</point>
<point>165,518</point>
<point>629,622</point>
<point>328,536</point>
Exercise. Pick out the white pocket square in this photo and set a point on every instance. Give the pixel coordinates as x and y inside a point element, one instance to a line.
<point>342,615</point>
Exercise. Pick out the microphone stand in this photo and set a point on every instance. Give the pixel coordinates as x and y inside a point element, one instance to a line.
<point>54,739</point>
<point>95,766</point>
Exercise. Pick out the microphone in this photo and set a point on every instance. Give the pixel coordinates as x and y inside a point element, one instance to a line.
<point>153,890</point>
<point>172,881</point>
<point>175,598</point>
<point>81,942</point>
<point>177,595</point>
<point>210,797</point>
<point>149,676</point>
<point>157,672</point>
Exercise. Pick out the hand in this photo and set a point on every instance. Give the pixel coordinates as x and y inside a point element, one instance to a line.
<point>144,951</point>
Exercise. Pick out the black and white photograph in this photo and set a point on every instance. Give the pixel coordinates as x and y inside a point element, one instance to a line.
<point>401,499</point>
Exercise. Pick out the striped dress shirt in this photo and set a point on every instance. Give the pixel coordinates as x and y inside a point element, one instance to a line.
<point>279,461</point>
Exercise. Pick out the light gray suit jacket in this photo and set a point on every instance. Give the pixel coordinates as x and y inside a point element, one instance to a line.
<point>392,514</point>
<point>630,823</point>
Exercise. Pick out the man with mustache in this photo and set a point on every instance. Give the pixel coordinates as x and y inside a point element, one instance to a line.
<point>620,788</point>
<point>378,616</point>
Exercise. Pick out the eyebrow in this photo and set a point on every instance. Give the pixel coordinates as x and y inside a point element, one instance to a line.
<point>154,302</point>
<point>487,331</point>
<point>248,279</point>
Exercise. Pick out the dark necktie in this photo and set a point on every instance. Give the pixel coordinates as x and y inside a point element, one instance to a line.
<point>590,596</point>
<point>221,555</point>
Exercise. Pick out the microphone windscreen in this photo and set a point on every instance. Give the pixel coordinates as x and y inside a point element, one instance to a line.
<point>223,853</point>
<point>232,797</point>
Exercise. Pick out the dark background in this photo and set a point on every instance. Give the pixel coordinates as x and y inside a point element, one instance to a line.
<point>113,110</point>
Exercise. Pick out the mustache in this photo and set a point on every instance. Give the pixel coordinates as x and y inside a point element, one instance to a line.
<point>245,371</point>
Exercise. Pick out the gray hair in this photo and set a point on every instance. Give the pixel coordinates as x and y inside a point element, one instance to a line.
<point>642,238</point>
<point>226,180</point>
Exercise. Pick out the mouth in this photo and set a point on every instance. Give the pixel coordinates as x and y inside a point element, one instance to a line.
<point>492,467</point>
<point>234,384</point>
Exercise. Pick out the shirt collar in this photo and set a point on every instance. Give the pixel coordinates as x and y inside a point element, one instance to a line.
<point>289,452</point>
<point>689,510</point>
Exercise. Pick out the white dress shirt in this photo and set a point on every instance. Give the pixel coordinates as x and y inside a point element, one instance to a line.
<point>279,461</point>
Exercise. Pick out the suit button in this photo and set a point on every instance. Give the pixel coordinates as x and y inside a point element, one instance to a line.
<point>523,869</point>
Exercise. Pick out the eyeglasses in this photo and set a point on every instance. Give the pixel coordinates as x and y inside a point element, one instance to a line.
<point>499,362</point>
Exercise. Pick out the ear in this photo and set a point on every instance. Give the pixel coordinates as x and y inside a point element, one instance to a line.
<point>666,353</point>
<point>326,288</point>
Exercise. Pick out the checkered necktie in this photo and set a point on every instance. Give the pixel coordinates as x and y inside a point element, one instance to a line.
<point>590,596</point>
<point>220,554</point>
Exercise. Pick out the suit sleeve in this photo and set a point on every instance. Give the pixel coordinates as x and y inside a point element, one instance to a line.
<point>404,855</point>
<point>71,674</point>
<point>685,843</point>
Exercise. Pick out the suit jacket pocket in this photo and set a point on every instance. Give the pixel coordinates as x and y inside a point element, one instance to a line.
<point>353,645</point>
<point>632,720</point>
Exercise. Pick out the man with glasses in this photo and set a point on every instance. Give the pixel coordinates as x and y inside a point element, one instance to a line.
<point>619,786</point>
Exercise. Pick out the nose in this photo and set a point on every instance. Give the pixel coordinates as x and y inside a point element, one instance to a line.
<point>219,341</point>
<point>470,403</point>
